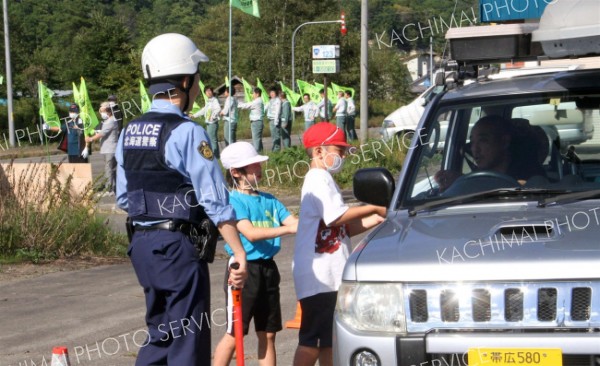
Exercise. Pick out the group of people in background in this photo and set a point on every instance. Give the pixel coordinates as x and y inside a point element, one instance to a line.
<point>279,113</point>
<point>77,144</point>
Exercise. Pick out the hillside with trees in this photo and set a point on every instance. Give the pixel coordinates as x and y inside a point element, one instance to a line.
<point>59,41</point>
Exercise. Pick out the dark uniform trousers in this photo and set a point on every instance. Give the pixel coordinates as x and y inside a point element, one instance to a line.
<point>177,289</point>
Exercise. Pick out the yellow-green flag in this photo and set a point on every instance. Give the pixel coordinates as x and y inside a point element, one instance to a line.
<point>337,88</point>
<point>86,111</point>
<point>307,88</point>
<point>146,103</point>
<point>265,96</point>
<point>292,96</point>
<point>47,109</point>
<point>76,95</point>
<point>202,91</point>
<point>247,6</point>
<point>331,96</point>
<point>248,90</point>
<point>195,108</point>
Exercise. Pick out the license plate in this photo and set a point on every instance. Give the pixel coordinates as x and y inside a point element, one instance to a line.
<point>515,356</point>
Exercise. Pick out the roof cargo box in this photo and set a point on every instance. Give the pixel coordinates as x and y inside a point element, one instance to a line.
<point>570,29</point>
<point>493,43</point>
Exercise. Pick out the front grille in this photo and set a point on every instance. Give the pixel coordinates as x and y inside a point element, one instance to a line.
<point>581,303</point>
<point>513,305</point>
<point>503,305</point>
<point>418,306</point>
<point>481,305</point>
<point>546,305</point>
<point>449,304</point>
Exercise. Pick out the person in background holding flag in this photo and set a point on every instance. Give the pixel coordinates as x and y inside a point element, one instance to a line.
<point>321,107</point>
<point>340,112</point>
<point>350,117</point>
<point>174,192</point>
<point>256,118</point>
<point>211,111</point>
<point>72,130</point>
<point>116,111</point>
<point>273,109</point>
<point>309,109</point>
<point>108,136</point>
<point>286,121</point>
<point>230,116</point>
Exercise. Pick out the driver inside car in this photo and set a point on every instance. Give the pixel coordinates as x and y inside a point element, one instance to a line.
<point>501,146</point>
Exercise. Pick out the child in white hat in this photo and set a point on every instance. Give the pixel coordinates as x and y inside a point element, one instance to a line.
<point>261,221</point>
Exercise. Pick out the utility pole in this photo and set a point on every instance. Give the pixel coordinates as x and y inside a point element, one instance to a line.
<point>364,70</point>
<point>9,89</point>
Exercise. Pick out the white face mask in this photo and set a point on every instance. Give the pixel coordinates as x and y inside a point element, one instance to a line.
<point>337,165</point>
<point>104,115</point>
<point>73,115</point>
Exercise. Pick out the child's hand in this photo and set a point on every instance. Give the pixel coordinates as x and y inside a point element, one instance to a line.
<point>237,276</point>
<point>293,227</point>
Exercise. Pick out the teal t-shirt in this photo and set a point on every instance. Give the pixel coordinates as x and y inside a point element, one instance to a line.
<point>262,210</point>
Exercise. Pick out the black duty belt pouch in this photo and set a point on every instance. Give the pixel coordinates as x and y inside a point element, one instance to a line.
<point>204,236</point>
<point>129,228</point>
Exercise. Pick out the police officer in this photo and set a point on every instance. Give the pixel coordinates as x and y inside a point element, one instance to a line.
<point>169,182</point>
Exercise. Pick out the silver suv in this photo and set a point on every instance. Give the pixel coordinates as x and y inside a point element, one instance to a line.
<point>481,263</point>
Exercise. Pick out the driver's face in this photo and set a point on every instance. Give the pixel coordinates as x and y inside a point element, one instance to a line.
<point>489,148</point>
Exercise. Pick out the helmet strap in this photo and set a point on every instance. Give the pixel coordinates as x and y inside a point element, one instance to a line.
<point>186,90</point>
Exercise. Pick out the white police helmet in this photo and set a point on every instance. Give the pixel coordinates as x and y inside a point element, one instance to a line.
<point>171,54</point>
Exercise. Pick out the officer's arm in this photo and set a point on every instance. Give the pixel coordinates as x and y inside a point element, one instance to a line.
<point>188,151</point>
<point>121,179</point>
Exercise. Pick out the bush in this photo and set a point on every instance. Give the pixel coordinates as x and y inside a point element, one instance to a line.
<point>285,170</point>
<point>45,222</point>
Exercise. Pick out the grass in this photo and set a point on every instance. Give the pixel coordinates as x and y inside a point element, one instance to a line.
<point>42,222</point>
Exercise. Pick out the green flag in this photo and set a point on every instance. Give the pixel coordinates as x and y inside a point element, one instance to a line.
<point>265,96</point>
<point>202,91</point>
<point>146,103</point>
<point>195,108</point>
<point>248,90</point>
<point>307,88</point>
<point>292,96</point>
<point>247,6</point>
<point>86,111</point>
<point>47,110</point>
<point>76,95</point>
<point>331,96</point>
<point>337,88</point>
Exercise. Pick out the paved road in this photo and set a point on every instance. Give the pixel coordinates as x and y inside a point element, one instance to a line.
<point>98,313</point>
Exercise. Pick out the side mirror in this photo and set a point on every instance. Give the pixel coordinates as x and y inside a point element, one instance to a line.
<point>374,185</point>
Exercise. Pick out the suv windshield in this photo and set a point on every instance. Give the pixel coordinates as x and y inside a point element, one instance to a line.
<point>509,148</point>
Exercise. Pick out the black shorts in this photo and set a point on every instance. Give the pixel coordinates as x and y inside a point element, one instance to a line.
<point>316,328</point>
<point>260,298</point>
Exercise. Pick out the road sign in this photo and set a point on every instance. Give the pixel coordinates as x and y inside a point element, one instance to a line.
<point>325,66</point>
<point>325,51</point>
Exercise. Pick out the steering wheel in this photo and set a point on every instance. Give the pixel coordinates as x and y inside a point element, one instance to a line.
<point>490,174</point>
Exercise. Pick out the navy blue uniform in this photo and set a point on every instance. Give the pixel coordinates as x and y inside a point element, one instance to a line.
<point>166,171</point>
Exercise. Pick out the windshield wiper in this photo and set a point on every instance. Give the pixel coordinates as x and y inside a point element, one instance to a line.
<point>568,197</point>
<point>472,197</point>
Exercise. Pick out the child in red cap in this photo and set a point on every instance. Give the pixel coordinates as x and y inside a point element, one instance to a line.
<point>323,241</point>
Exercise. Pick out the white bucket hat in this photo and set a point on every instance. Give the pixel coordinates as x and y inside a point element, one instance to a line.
<point>240,154</point>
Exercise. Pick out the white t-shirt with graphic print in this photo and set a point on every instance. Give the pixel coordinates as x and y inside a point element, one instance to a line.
<point>320,251</point>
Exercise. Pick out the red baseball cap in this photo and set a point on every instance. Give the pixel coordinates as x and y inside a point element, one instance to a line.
<point>324,134</point>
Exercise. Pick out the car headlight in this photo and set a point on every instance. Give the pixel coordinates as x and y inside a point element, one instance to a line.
<point>375,307</point>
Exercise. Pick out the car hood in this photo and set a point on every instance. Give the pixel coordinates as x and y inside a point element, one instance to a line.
<point>470,243</point>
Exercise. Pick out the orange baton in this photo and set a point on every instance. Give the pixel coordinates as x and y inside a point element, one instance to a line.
<point>238,326</point>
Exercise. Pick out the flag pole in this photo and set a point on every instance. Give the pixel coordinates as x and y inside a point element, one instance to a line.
<point>231,96</point>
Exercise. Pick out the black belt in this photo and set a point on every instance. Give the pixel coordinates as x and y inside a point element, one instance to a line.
<point>167,225</point>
